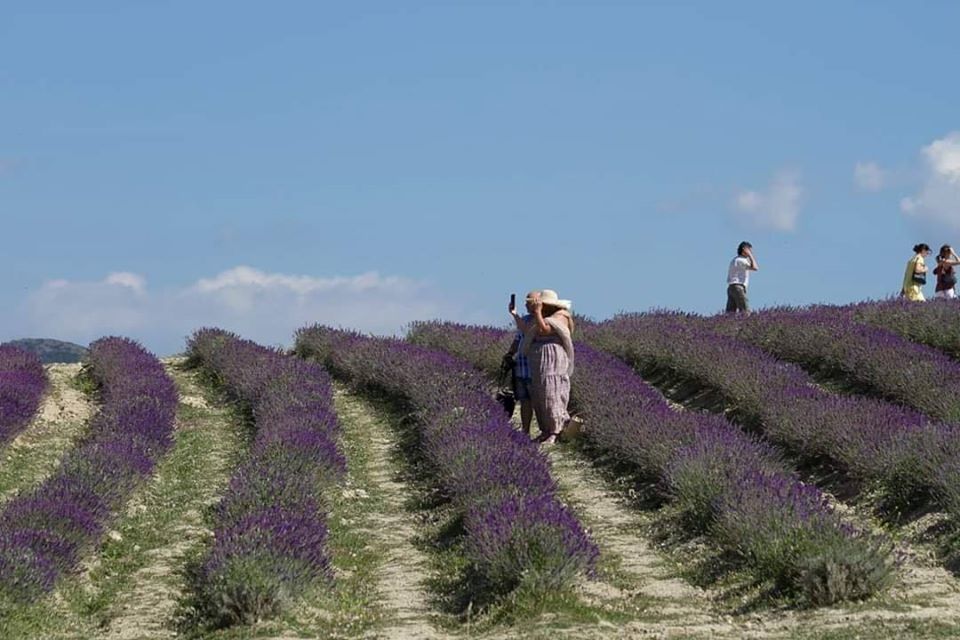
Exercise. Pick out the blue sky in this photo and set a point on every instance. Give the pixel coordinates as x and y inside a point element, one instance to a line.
<point>169,165</point>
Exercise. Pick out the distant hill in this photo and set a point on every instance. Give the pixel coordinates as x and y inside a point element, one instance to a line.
<point>50,350</point>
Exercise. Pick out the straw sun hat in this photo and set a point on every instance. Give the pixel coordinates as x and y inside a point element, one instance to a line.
<point>550,298</point>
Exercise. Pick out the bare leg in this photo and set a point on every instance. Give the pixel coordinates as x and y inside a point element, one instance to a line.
<point>526,415</point>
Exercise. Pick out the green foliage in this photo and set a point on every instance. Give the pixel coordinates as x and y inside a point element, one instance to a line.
<point>247,590</point>
<point>844,573</point>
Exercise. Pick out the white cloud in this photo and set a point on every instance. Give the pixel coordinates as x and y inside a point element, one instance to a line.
<point>777,207</point>
<point>253,279</point>
<point>939,198</point>
<point>869,176</point>
<point>125,279</point>
<point>266,307</point>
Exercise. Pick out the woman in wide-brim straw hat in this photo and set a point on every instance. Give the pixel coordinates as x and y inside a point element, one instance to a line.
<point>548,345</point>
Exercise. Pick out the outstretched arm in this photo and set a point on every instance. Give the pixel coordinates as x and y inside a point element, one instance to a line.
<point>522,325</point>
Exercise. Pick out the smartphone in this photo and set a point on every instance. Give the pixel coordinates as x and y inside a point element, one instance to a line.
<point>513,301</point>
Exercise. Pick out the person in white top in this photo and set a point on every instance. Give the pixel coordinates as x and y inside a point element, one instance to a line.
<point>738,278</point>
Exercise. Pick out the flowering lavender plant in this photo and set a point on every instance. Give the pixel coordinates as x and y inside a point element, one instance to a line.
<point>517,532</point>
<point>785,533</point>
<point>22,383</point>
<point>824,559</point>
<point>867,357</point>
<point>895,449</point>
<point>270,526</point>
<point>44,531</point>
<point>935,323</point>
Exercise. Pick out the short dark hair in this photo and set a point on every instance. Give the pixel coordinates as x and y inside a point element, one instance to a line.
<point>945,251</point>
<point>923,246</point>
<point>743,245</point>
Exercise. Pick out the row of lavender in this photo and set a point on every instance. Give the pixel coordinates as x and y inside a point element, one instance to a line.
<point>270,528</point>
<point>907,458</point>
<point>22,383</point>
<point>829,340</point>
<point>43,532</point>
<point>724,483</point>
<point>517,533</point>
<point>935,323</point>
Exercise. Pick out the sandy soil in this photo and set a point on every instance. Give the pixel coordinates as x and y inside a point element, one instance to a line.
<point>684,609</point>
<point>404,568</point>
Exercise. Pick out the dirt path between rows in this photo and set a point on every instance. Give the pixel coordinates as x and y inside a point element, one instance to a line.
<point>403,569</point>
<point>167,515</point>
<point>677,608</point>
<point>61,420</point>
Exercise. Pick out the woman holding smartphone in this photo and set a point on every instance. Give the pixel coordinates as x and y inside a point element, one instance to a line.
<point>548,345</point>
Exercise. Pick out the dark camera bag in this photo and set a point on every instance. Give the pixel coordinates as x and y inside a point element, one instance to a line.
<point>505,395</point>
<point>507,400</point>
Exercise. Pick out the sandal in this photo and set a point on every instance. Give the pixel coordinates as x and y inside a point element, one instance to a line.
<point>548,438</point>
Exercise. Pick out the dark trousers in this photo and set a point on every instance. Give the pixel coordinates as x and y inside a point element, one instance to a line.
<point>737,299</point>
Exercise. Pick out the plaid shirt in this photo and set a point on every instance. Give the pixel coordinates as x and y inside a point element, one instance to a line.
<point>521,366</point>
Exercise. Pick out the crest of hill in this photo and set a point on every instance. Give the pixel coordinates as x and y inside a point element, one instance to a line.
<point>50,350</point>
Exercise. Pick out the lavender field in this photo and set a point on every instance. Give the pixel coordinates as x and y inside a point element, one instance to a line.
<point>791,474</point>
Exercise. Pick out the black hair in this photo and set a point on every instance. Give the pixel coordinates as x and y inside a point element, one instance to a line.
<point>944,252</point>
<point>923,246</point>
<point>743,245</point>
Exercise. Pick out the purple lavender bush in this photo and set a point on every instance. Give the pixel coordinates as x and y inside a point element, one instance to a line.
<point>893,449</point>
<point>828,561</point>
<point>22,384</point>
<point>935,323</point>
<point>785,533</point>
<point>44,531</point>
<point>521,535</point>
<point>270,533</point>
<point>871,359</point>
<point>517,533</point>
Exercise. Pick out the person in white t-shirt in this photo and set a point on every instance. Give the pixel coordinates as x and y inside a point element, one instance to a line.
<point>738,278</point>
